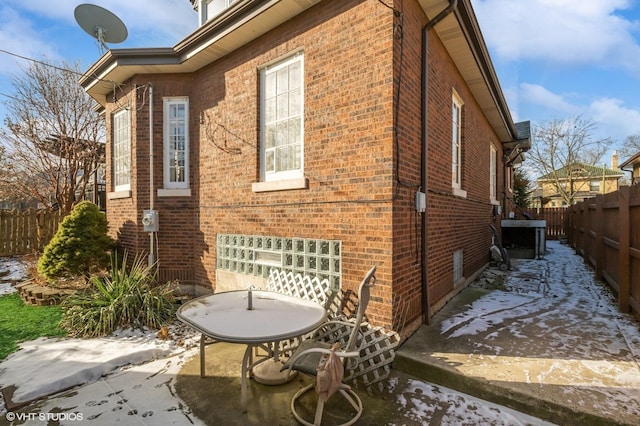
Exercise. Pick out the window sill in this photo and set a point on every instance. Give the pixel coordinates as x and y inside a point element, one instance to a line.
<point>280,185</point>
<point>459,192</point>
<point>174,192</point>
<point>495,202</point>
<point>118,194</point>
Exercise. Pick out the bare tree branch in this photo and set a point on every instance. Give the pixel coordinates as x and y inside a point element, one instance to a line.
<point>630,147</point>
<point>560,147</point>
<point>52,136</point>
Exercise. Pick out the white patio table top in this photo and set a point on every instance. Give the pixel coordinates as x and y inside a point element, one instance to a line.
<point>226,317</point>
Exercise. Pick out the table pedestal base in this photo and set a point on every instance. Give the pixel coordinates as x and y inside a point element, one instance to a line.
<point>268,373</point>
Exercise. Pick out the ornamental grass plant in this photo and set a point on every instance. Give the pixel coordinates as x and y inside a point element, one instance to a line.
<point>127,297</point>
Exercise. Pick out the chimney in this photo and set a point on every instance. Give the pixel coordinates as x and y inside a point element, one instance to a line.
<point>614,160</point>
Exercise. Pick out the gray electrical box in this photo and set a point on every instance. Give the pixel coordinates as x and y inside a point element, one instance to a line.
<point>421,202</point>
<point>150,220</point>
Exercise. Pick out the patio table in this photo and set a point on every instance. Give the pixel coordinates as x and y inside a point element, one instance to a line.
<point>253,318</point>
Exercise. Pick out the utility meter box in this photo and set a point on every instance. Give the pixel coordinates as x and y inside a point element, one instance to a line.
<point>150,220</point>
<point>421,202</point>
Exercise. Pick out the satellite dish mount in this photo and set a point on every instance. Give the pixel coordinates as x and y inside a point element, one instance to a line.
<point>100,24</point>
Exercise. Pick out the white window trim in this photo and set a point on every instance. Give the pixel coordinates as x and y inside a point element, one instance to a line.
<point>456,181</point>
<point>174,192</point>
<point>493,174</point>
<point>168,185</point>
<point>280,185</point>
<point>122,188</point>
<point>203,16</point>
<point>295,178</point>
<point>118,194</point>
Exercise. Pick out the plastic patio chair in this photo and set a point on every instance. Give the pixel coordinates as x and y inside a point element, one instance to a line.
<point>309,354</point>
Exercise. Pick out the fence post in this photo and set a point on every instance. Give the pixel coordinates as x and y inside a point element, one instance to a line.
<point>15,224</point>
<point>624,254</point>
<point>586,253</point>
<point>598,241</point>
<point>577,226</point>
<point>567,224</point>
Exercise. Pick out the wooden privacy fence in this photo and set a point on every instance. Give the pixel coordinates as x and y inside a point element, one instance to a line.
<point>605,230</point>
<point>555,220</point>
<point>26,231</point>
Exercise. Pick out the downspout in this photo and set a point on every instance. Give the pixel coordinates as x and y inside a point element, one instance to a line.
<point>426,305</point>
<point>151,259</point>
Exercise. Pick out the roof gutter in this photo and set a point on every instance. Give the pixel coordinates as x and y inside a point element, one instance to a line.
<point>426,305</point>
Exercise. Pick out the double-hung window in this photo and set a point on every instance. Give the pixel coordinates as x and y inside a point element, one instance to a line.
<point>176,143</point>
<point>493,173</point>
<point>121,151</point>
<point>282,120</point>
<point>456,144</point>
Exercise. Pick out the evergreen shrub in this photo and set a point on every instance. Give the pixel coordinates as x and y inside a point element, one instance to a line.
<point>80,245</point>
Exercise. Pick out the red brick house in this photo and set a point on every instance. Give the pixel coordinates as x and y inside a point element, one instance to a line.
<point>302,134</point>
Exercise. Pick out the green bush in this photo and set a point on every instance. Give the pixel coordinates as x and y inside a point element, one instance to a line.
<point>126,298</point>
<point>80,245</point>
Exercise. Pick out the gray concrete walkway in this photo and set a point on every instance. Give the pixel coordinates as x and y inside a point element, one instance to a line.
<point>560,351</point>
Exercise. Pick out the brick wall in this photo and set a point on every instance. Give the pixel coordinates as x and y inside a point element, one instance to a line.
<point>352,65</point>
<point>347,121</point>
<point>454,222</point>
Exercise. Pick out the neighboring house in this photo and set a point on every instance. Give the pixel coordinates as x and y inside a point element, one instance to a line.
<point>19,205</point>
<point>303,135</point>
<point>578,182</point>
<point>95,190</point>
<point>632,165</point>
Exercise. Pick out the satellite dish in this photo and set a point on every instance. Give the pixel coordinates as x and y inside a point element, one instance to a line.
<point>100,24</point>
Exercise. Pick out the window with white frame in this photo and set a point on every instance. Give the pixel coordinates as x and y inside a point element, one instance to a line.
<point>456,141</point>
<point>493,164</point>
<point>176,143</point>
<point>281,119</point>
<point>211,8</point>
<point>121,125</point>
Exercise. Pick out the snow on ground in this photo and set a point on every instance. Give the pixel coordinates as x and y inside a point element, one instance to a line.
<point>429,404</point>
<point>568,334</point>
<point>107,379</point>
<point>54,364</point>
<point>12,269</point>
<point>130,376</point>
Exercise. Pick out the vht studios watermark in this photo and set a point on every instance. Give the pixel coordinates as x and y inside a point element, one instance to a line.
<point>45,417</point>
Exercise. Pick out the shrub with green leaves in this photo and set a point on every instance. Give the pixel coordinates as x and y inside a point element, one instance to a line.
<point>126,298</point>
<point>80,245</point>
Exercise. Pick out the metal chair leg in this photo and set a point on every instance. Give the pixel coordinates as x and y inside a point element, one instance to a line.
<point>346,391</point>
<point>202,361</point>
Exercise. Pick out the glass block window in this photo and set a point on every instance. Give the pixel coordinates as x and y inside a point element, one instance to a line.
<point>257,254</point>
